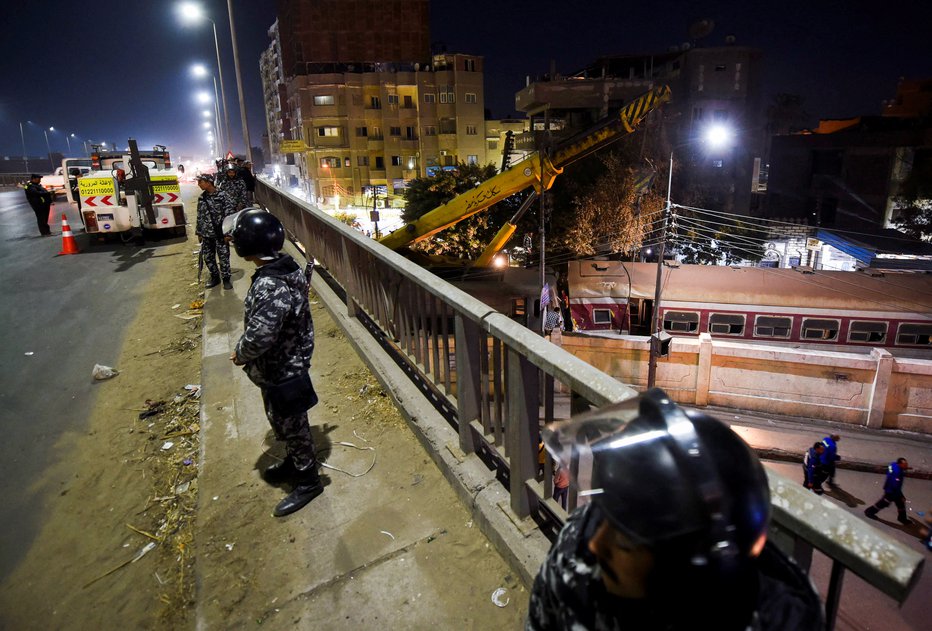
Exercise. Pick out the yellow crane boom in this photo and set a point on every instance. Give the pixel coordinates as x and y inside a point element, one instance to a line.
<point>536,170</point>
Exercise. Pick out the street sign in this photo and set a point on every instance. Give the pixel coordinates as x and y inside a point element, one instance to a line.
<point>373,215</point>
<point>230,155</point>
<point>813,244</point>
<point>293,146</point>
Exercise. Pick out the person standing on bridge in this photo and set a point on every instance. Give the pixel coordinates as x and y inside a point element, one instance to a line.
<point>41,201</point>
<point>813,472</point>
<point>674,535</point>
<point>892,492</point>
<point>234,186</point>
<point>212,206</point>
<point>275,350</point>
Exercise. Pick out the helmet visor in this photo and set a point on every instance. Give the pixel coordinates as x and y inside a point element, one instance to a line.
<point>229,222</point>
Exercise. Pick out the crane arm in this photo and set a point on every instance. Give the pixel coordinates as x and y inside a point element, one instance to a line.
<point>536,170</point>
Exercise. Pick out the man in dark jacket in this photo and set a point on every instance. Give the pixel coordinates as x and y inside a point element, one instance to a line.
<point>212,206</point>
<point>233,185</point>
<point>674,535</point>
<point>276,348</point>
<point>249,179</point>
<point>892,492</point>
<point>830,457</point>
<point>41,201</point>
<point>813,471</point>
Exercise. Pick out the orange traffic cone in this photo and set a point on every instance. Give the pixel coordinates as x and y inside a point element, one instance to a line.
<point>68,245</point>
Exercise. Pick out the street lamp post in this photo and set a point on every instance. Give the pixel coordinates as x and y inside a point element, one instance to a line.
<point>49,147</point>
<point>22,137</point>
<point>715,136</point>
<point>192,13</point>
<point>239,83</point>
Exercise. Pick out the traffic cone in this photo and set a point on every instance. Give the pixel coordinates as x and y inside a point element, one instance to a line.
<point>68,244</point>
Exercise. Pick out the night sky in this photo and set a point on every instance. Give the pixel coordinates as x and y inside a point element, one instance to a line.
<point>108,70</point>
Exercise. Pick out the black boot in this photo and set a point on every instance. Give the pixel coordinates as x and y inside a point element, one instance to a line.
<point>871,511</point>
<point>213,282</point>
<point>308,486</point>
<point>280,471</point>
<point>226,283</point>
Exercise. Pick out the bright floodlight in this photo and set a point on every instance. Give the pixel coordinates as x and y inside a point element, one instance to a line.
<point>206,125</point>
<point>199,70</point>
<point>206,114</point>
<point>718,135</point>
<point>203,97</point>
<point>51,129</point>
<point>72,135</point>
<point>190,12</point>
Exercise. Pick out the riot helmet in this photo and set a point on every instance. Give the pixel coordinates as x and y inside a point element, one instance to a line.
<point>669,479</point>
<point>255,232</point>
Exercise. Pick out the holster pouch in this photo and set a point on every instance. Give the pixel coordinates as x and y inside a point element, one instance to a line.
<point>293,395</point>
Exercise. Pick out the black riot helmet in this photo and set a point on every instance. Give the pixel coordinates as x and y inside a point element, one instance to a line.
<point>670,479</point>
<point>256,232</point>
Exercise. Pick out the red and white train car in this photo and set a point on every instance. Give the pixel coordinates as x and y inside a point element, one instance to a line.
<point>754,303</point>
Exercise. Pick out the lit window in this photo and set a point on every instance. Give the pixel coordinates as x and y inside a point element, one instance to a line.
<point>472,159</point>
<point>323,99</point>
<point>718,164</point>
<point>328,131</point>
<point>470,98</point>
<point>470,130</point>
<point>330,162</point>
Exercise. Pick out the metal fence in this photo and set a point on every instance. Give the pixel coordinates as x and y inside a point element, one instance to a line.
<point>496,382</point>
<point>9,180</point>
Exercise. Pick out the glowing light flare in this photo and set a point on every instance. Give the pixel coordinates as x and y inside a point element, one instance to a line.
<point>203,97</point>
<point>718,135</point>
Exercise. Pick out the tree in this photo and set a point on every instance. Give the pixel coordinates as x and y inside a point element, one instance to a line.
<point>469,237</point>
<point>786,114</point>
<point>913,201</point>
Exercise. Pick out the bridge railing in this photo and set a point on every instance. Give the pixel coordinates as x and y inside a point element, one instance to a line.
<point>497,383</point>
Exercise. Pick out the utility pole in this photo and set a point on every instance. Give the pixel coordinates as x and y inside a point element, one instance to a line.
<point>655,312</point>
<point>23,138</point>
<point>239,83</point>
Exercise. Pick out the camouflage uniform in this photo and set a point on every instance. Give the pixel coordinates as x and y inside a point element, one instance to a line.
<point>236,189</point>
<point>211,209</point>
<point>568,592</point>
<point>277,343</point>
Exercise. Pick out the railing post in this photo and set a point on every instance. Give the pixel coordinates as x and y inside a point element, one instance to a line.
<point>350,284</point>
<point>522,429</point>
<point>467,379</point>
<point>880,388</point>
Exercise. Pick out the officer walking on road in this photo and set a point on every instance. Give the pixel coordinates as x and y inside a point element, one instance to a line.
<point>892,492</point>
<point>41,201</point>
<point>830,457</point>
<point>276,348</point>
<point>675,533</point>
<point>212,206</point>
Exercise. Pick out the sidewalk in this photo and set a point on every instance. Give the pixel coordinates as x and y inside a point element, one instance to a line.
<point>393,548</point>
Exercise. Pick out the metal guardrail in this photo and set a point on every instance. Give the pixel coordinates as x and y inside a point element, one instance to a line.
<point>497,382</point>
<point>8,180</point>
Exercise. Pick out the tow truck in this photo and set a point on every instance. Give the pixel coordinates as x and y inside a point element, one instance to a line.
<point>537,170</point>
<point>128,192</point>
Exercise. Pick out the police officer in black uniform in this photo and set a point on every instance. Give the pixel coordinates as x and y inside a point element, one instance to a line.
<point>41,201</point>
<point>275,349</point>
<point>674,535</point>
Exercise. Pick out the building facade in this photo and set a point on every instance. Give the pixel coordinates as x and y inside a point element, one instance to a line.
<point>710,85</point>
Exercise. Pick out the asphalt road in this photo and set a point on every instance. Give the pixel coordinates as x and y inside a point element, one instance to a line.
<point>863,607</point>
<point>60,315</point>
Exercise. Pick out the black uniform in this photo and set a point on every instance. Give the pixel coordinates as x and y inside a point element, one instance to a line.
<point>41,201</point>
<point>211,209</point>
<point>277,343</point>
<point>568,593</point>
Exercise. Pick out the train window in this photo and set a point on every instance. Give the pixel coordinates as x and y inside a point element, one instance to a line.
<point>818,329</point>
<point>914,334</point>
<point>601,316</point>
<point>772,326</point>
<point>867,331</point>
<point>681,321</point>
<point>726,323</point>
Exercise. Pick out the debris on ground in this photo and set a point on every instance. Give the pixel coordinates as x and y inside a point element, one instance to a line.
<point>104,372</point>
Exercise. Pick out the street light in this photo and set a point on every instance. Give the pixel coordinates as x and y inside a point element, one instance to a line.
<point>49,147</point>
<point>200,71</point>
<point>192,13</point>
<point>22,137</point>
<point>715,136</point>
